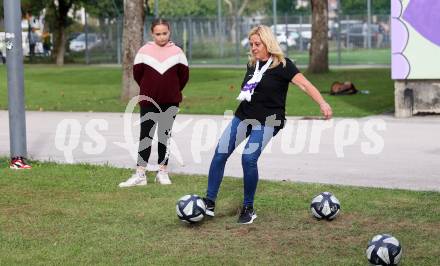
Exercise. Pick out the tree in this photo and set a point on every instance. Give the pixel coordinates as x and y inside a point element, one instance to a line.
<point>1,11</point>
<point>283,6</point>
<point>57,17</point>
<point>105,9</point>
<point>134,11</point>
<point>183,8</point>
<point>59,21</point>
<point>107,12</point>
<point>318,59</point>
<point>32,7</point>
<point>360,7</point>
<point>236,9</point>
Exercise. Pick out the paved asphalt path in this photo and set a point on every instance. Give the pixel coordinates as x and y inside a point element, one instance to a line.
<point>376,151</point>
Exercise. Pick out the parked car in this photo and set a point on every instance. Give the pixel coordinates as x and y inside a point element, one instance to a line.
<point>79,43</point>
<point>357,36</point>
<point>303,39</point>
<point>344,24</point>
<point>284,41</point>
<point>292,40</point>
<point>73,36</point>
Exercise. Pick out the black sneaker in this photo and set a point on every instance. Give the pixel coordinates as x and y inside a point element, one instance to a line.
<point>210,205</point>
<point>247,215</point>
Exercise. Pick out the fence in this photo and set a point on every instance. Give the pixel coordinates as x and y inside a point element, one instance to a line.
<point>224,41</point>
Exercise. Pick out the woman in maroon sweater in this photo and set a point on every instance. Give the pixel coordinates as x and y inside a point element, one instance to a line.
<point>161,71</point>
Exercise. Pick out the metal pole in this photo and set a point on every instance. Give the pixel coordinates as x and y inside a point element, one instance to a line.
<point>14,51</point>
<point>118,39</point>
<point>286,31</point>
<point>86,31</point>
<point>118,32</point>
<point>237,41</point>
<point>156,8</point>
<point>219,21</point>
<point>347,33</point>
<point>185,38</point>
<point>338,33</point>
<point>369,24</point>
<point>145,29</point>
<point>31,55</point>
<point>274,9</point>
<point>190,38</point>
<point>301,47</point>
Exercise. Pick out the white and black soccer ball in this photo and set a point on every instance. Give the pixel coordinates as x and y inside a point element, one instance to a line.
<point>384,250</point>
<point>190,209</point>
<point>325,206</point>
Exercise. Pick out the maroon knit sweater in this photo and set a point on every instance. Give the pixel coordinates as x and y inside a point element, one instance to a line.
<point>161,73</point>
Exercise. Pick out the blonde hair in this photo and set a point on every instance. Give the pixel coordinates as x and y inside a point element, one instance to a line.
<point>269,40</point>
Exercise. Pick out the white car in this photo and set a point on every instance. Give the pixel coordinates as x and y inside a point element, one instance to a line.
<point>79,43</point>
<point>293,40</point>
<point>288,41</point>
<point>281,38</point>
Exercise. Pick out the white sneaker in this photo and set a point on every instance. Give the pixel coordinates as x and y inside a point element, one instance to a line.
<point>137,179</point>
<point>163,178</point>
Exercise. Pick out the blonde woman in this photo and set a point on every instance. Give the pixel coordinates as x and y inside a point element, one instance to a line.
<point>260,115</point>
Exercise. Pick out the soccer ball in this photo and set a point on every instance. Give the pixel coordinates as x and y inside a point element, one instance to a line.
<point>325,206</point>
<point>190,209</point>
<point>384,250</point>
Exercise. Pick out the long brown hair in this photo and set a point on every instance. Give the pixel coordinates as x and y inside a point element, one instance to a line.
<point>160,21</point>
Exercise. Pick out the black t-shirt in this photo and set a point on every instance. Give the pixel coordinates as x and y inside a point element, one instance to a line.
<point>269,99</point>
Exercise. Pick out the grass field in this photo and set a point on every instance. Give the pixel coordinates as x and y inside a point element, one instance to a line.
<point>75,214</point>
<point>208,53</point>
<point>209,91</point>
<point>348,57</point>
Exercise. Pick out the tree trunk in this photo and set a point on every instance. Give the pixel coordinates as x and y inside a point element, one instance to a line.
<point>59,12</point>
<point>235,15</point>
<point>132,41</point>
<point>318,60</point>
<point>60,43</point>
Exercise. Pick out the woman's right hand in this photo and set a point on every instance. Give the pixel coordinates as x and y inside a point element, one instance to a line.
<point>326,110</point>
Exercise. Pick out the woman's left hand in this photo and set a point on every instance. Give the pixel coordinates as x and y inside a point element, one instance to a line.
<point>326,110</point>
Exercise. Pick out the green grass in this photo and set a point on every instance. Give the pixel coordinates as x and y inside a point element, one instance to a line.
<point>209,91</point>
<point>348,57</point>
<point>75,214</point>
<point>209,53</point>
<point>222,87</point>
<point>70,88</point>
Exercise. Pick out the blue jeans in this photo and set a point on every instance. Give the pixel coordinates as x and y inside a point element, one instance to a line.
<point>234,134</point>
